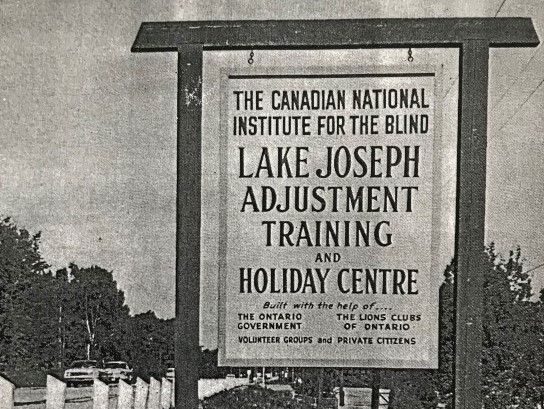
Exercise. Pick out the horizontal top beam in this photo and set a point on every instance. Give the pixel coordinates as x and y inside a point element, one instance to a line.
<point>357,33</point>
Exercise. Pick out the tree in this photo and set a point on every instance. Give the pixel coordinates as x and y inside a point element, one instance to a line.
<point>40,325</point>
<point>96,308</point>
<point>512,365</point>
<point>151,347</point>
<point>48,320</point>
<point>20,265</point>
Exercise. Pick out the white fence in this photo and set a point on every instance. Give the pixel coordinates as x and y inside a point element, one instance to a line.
<point>153,395</point>
<point>361,398</point>
<point>209,387</point>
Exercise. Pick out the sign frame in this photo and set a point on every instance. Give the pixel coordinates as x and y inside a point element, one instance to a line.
<point>472,36</point>
<point>340,72</point>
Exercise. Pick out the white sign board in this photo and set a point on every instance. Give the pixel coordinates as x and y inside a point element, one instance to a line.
<point>328,225</point>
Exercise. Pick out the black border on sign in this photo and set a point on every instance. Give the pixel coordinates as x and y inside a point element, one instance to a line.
<point>384,75</point>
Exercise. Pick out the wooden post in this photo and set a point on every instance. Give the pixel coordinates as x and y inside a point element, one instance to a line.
<point>55,395</point>
<point>140,394</point>
<point>471,174</point>
<point>154,397</point>
<point>7,391</point>
<point>173,397</point>
<point>125,397</point>
<point>320,388</point>
<point>376,380</point>
<point>188,225</point>
<point>101,392</point>
<point>341,393</point>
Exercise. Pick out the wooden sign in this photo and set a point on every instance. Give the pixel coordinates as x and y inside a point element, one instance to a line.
<point>328,220</point>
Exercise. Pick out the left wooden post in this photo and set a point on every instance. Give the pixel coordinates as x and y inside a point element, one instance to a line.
<point>188,225</point>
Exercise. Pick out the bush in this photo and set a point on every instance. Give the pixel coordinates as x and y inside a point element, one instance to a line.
<point>252,397</point>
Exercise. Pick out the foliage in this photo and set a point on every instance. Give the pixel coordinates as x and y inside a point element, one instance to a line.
<point>512,338</point>
<point>252,397</point>
<point>208,365</point>
<point>20,265</point>
<point>98,310</point>
<point>48,320</point>
<point>309,380</point>
<point>151,346</point>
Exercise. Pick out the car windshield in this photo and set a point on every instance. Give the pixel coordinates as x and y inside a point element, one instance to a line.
<point>84,364</point>
<point>116,365</point>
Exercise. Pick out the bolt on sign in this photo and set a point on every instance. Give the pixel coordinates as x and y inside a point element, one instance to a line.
<point>329,217</point>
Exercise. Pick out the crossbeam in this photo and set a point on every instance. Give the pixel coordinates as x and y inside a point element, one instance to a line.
<point>354,33</point>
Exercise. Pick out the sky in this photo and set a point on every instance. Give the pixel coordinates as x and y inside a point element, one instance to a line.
<point>88,129</point>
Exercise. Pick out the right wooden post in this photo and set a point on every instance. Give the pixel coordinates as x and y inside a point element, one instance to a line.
<point>471,174</point>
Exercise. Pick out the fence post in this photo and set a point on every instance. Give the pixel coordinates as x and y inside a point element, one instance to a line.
<point>173,401</point>
<point>154,400</point>
<point>7,390</point>
<point>55,395</point>
<point>100,395</point>
<point>140,395</point>
<point>125,396</point>
<point>166,393</point>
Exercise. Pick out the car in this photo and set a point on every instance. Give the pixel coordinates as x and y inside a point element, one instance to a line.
<point>230,375</point>
<point>81,372</point>
<point>116,370</point>
<point>171,374</point>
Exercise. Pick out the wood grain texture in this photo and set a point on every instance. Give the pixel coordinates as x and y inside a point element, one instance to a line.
<point>425,32</point>
<point>188,225</point>
<point>470,227</point>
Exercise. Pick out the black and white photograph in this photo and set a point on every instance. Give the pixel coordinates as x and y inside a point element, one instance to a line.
<point>236,204</point>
